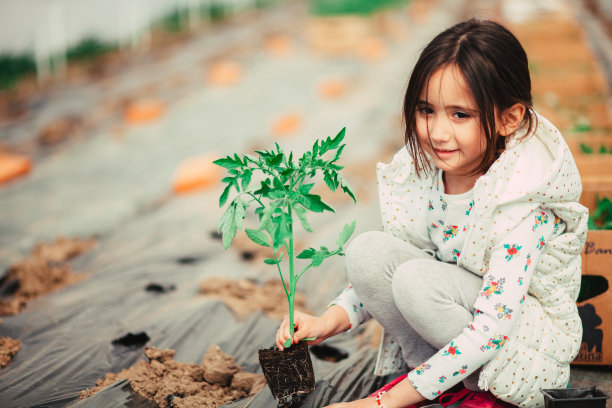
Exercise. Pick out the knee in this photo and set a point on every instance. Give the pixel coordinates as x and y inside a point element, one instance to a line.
<point>410,282</point>
<point>362,255</point>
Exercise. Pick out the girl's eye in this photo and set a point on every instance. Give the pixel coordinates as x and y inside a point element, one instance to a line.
<point>461,115</point>
<point>426,110</point>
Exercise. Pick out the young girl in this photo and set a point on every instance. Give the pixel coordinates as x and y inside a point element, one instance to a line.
<point>476,274</point>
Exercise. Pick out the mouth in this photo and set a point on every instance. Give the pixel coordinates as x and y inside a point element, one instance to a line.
<point>441,152</point>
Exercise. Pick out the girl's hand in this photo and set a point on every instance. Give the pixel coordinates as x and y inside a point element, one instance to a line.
<point>305,326</point>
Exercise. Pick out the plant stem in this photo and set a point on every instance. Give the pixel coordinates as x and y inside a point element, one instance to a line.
<point>292,280</point>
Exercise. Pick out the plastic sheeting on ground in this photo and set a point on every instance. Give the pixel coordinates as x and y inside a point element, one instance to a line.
<point>69,338</point>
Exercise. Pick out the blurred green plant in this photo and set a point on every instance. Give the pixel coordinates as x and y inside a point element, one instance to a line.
<point>13,68</point>
<point>360,7</point>
<point>88,49</point>
<point>586,149</point>
<point>601,218</point>
<point>280,195</point>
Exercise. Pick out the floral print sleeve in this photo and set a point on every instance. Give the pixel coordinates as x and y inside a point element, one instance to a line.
<point>503,291</point>
<point>349,301</point>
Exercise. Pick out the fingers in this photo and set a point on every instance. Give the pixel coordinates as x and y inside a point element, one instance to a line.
<point>282,334</point>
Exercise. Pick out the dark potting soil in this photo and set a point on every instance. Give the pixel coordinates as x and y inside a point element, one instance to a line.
<point>217,380</point>
<point>289,373</point>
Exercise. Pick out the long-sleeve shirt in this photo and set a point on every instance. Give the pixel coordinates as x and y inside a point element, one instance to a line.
<point>504,288</point>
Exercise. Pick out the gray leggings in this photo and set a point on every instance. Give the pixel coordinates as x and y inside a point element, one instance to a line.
<point>422,302</point>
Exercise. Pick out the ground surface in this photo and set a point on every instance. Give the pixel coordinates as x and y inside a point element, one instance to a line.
<point>100,176</point>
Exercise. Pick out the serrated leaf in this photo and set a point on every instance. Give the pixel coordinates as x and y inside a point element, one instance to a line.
<point>246,179</point>
<point>224,195</point>
<point>318,258</point>
<point>301,213</point>
<point>227,162</point>
<point>330,181</point>
<point>275,160</point>
<point>305,188</point>
<point>307,253</point>
<point>346,188</point>
<point>346,233</point>
<point>313,203</point>
<point>258,237</point>
<point>227,225</point>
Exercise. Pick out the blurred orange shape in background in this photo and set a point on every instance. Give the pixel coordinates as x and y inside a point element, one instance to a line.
<point>13,166</point>
<point>196,173</point>
<point>144,110</point>
<point>286,124</point>
<point>332,88</point>
<point>372,49</point>
<point>279,45</point>
<point>224,73</point>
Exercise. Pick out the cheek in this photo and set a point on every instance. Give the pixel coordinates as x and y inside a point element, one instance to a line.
<point>422,132</point>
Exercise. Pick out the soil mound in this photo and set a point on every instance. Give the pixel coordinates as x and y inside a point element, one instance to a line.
<point>245,296</point>
<point>215,382</point>
<point>8,348</point>
<point>44,272</point>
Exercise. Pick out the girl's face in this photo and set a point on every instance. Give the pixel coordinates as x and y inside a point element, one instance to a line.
<point>449,129</point>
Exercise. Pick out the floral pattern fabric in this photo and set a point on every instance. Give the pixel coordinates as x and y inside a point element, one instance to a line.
<point>503,290</point>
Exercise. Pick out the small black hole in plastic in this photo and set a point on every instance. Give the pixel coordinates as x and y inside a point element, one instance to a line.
<point>328,353</point>
<point>247,255</point>
<point>159,288</point>
<point>189,260</point>
<point>132,340</point>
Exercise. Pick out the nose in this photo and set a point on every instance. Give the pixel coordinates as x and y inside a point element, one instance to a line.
<point>440,128</point>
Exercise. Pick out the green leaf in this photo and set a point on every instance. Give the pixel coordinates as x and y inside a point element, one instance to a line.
<point>313,203</point>
<point>309,338</point>
<point>228,163</point>
<point>275,160</point>
<point>305,188</point>
<point>301,213</point>
<point>288,342</point>
<point>307,253</point>
<point>318,258</point>
<point>281,233</point>
<point>224,195</point>
<point>246,178</point>
<point>258,237</point>
<point>227,225</point>
<point>603,150</point>
<point>270,261</point>
<point>586,149</point>
<point>346,233</point>
<point>346,188</point>
<point>331,181</point>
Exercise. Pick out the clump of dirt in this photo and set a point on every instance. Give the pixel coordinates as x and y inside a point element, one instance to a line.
<point>245,296</point>
<point>45,271</point>
<point>8,348</point>
<point>216,381</point>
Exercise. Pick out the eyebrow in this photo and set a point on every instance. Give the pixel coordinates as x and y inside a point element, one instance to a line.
<point>455,107</point>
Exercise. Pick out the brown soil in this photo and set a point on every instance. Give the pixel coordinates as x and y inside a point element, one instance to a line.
<point>216,381</point>
<point>45,271</point>
<point>8,348</point>
<point>245,296</point>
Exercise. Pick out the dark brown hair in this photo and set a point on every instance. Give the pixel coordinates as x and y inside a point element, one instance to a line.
<point>494,65</point>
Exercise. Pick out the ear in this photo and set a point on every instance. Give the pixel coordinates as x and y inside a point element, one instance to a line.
<point>511,118</point>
